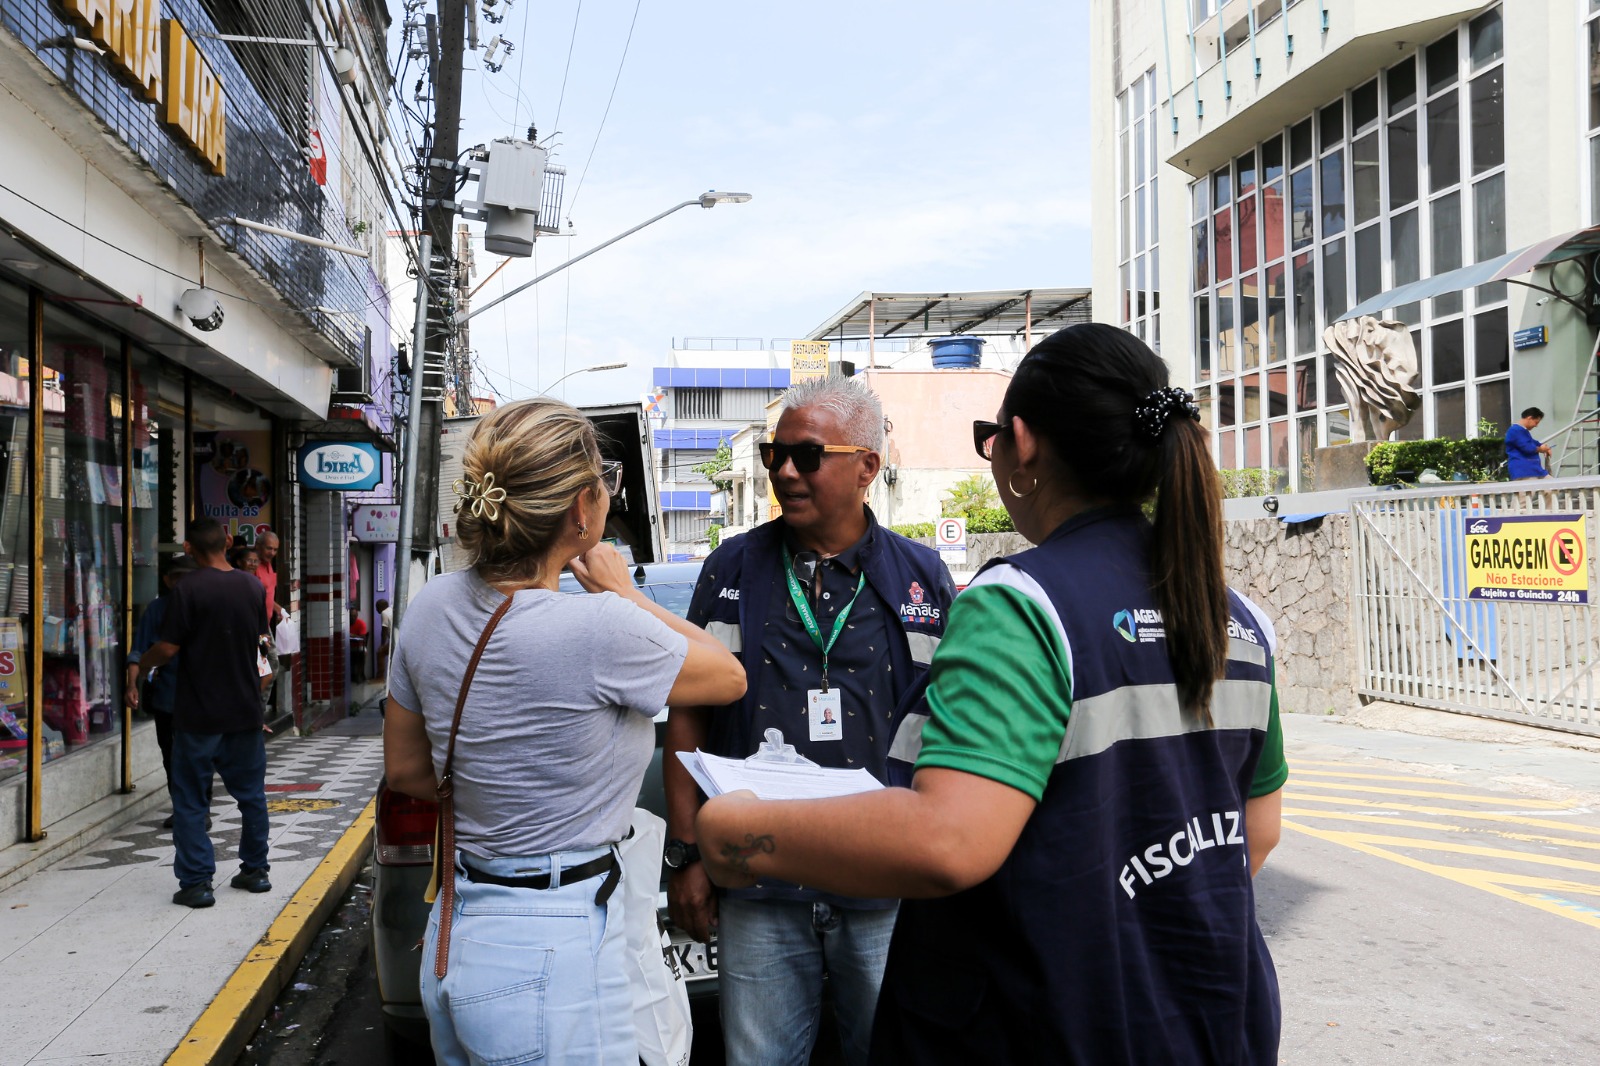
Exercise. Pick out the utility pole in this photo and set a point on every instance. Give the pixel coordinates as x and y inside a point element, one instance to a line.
<point>436,291</point>
<point>461,376</point>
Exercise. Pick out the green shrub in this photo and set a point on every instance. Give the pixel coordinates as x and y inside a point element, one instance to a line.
<point>1401,462</point>
<point>990,520</point>
<point>716,535</point>
<point>914,529</point>
<point>1237,484</point>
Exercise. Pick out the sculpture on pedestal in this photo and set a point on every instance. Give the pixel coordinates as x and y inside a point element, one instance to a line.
<point>1376,364</point>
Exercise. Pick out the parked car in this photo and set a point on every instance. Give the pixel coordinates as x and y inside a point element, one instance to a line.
<point>403,858</point>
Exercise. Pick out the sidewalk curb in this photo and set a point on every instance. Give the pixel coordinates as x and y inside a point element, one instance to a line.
<point>81,830</point>
<point>225,1027</point>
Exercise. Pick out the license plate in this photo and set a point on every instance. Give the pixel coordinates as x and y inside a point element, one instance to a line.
<point>696,961</point>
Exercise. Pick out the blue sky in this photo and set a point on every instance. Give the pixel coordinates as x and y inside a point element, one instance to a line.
<point>889,145</point>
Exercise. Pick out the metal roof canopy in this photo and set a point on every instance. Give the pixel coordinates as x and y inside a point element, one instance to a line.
<point>1507,267</point>
<point>1001,312</point>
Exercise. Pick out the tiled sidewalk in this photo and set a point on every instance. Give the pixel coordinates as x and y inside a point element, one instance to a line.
<point>100,966</point>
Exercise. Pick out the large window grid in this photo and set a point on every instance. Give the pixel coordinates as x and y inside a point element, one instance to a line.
<point>1138,257</point>
<point>1402,175</point>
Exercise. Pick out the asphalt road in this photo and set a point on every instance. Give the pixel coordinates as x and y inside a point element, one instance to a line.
<point>1433,901</point>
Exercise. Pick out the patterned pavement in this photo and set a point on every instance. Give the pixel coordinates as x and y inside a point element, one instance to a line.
<point>312,785</point>
<point>100,966</point>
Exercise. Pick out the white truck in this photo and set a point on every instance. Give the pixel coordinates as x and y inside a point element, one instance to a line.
<point>624,434</point>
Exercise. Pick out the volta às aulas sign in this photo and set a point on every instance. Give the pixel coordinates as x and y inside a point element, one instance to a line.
<point>164,65</point>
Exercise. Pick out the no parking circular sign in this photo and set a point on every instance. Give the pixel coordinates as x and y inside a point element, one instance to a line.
<point>950,537</point>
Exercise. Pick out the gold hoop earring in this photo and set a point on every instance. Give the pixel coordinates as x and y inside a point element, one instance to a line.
<point>1013,489</point>
<point>583,529</point>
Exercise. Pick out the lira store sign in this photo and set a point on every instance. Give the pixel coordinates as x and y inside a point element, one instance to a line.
<point>158,57</point>
<point>339,465</point>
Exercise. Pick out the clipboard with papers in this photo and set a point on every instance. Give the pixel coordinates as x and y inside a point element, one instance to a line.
<point>772,780</point>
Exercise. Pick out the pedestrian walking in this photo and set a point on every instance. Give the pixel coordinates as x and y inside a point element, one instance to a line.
<point>1097,759</point>
<point>160,686</point>
<point>216,619</point>
<point>535,707</point>
<point>835,619</point>
<point>1523,453</point>
<point>267,573</point>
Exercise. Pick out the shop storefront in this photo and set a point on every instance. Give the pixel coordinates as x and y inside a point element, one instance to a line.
<point>106,450</point>
<point>160,359</point>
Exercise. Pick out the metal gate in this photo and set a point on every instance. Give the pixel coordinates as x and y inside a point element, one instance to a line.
<point>1423,639</point>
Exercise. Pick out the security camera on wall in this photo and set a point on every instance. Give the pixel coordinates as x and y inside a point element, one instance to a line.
<point>201,307</point>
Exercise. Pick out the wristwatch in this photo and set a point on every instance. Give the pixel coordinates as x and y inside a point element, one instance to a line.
<point>679,854</point>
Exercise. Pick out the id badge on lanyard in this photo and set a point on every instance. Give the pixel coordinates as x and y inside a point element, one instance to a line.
<point>824,706</point>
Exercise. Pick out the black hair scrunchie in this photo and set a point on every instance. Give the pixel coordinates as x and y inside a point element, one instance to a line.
<point>1157,409</point>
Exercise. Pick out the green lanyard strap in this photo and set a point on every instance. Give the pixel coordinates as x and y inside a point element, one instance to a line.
<point>809,620</point>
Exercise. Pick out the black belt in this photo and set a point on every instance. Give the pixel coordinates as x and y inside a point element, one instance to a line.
<point>606,864</point>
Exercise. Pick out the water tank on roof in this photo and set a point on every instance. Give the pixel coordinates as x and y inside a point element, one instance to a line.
<point>956,352</point>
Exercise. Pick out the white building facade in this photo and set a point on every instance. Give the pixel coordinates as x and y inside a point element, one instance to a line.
<point>1274,165</point>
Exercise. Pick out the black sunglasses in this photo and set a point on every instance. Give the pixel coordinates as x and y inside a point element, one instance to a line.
<point>983,435</point>
<point>807,457</point>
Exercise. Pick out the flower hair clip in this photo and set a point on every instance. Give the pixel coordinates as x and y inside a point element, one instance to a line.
<point>482,500</point>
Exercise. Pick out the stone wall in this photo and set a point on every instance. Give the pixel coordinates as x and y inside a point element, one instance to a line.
<point>1299,575</point>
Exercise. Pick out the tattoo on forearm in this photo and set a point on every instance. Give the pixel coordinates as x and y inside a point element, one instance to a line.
<point>738,855</point>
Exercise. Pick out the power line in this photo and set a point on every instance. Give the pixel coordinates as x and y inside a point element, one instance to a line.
<point>522,64</point>
<point>568,69</point>
<point>607,113</point>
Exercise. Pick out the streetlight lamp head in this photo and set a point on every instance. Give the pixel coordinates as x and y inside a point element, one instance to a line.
<point>713,198</point>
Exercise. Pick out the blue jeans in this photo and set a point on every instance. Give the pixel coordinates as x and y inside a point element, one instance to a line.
<point>535,974</point>
<point>241,760</point>
<point>771,955</point>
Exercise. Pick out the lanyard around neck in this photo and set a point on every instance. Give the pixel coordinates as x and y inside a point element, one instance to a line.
<point>809,620</point>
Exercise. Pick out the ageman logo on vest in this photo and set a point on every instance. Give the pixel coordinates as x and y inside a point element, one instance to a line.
<point>1139,626</point>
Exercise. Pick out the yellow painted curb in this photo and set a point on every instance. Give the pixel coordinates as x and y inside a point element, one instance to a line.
<point>221,1032</point>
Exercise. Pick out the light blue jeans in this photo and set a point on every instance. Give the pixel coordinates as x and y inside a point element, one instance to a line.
<point>535,975</point>
<point>771,956</point>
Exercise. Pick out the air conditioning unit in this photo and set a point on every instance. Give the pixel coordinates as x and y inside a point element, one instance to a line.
<point>353,384</point>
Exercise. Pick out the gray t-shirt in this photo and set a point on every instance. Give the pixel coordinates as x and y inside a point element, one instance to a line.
<point>556,733</point>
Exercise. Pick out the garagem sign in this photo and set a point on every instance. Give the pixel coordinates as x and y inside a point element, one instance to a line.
<point>339,465</point>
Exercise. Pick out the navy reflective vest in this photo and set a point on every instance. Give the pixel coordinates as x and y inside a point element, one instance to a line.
<point>734,595</point>
<point>1122,927</point>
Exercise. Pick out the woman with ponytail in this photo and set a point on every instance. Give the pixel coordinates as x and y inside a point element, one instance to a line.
<point>1093,769</point>
<point>527,713</point>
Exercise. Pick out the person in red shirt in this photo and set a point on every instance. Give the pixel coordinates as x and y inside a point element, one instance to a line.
<point>358,647</point>
<point>267,573</point>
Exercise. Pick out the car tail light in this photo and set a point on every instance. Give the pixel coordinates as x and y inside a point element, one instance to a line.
<point>405,828</point>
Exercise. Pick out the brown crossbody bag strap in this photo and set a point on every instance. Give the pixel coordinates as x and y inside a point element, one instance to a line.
<point>444,855</point>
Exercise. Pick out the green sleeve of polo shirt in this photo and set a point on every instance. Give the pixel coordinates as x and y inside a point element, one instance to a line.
<point>998,691</point>
<point>1273,769</point>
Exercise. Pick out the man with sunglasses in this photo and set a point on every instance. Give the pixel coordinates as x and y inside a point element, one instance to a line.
<point>835,619</point>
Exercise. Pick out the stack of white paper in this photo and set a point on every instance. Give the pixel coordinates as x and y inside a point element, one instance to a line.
<point>771,780</point>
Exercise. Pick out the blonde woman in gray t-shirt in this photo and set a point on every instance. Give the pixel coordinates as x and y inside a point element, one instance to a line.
<point>552,746</point>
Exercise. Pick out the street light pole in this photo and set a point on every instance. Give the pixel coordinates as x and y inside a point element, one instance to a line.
<point>583,370</point>
<point>408,474</point>
<point>707,200</point>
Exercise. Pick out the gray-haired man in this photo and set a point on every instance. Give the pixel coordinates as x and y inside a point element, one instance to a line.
<point>835,618</point>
